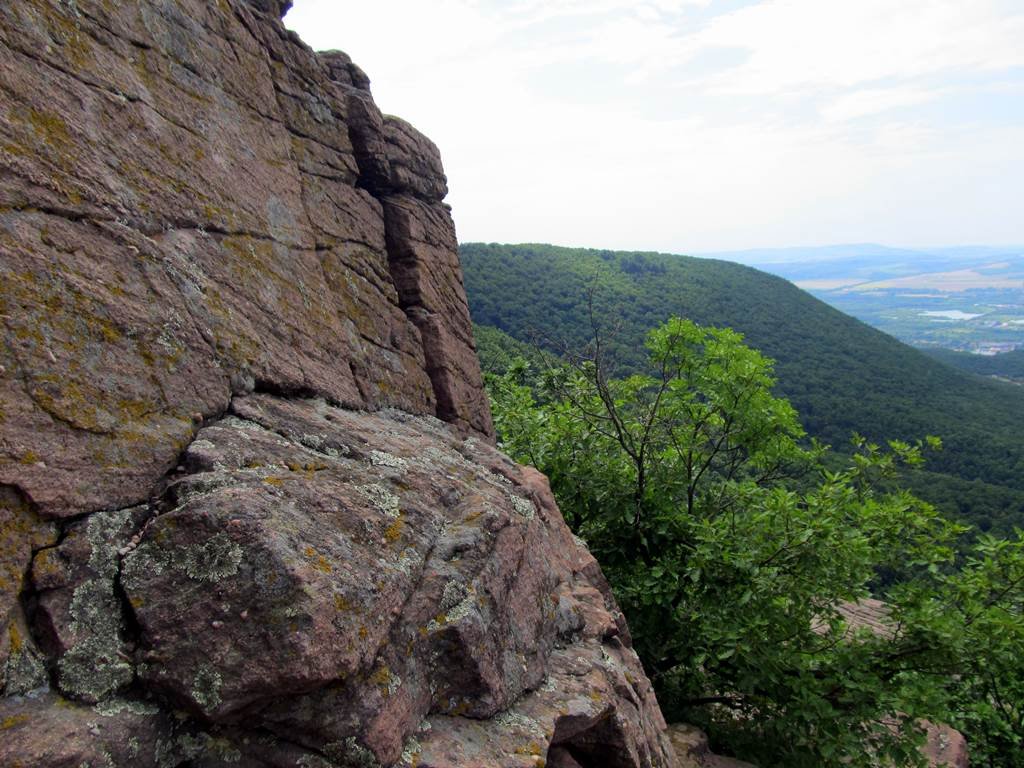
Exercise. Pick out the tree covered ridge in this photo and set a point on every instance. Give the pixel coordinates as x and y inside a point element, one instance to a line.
<point>840,374</point>
<point>732,548</point>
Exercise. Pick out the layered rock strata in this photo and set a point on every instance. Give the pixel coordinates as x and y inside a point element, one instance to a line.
<point>250,512</point>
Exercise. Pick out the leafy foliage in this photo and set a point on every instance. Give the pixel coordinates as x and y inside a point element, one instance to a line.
<point>733,552</point>
<point>841,375</point>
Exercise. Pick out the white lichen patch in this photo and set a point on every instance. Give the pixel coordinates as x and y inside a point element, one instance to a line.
<point>24,671</point>
<point>608,661</point>
<point>239,423</point>
<point>509,720</point>
<point>384,459</point>
<point>95,666</point>
<point>522,506</point>
<point>382,499</point>
<point>411,752</point>
<point>215,559</point>
<point>454,592</point>
<point>457,612</point>
<point>206,687</point>
<point>349,752</point>
<point>115,706</point>
<point>407,562</point>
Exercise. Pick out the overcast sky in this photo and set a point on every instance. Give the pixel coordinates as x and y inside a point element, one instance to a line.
<point>701,125</point>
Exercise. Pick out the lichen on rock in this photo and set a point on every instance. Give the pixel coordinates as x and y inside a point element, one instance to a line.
<point>250,508</point>
<point>216,558</point>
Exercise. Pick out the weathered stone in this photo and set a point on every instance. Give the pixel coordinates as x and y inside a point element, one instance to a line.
<point>692,749</point>
<point>21,532</point>
<point>347,575</point>
<point>45,730</point>
<point>423,254</point>
<point>22,664</point>
<point>79,617</point>
<point>181,204</point>
<point>236,529</point>
<point>945,747</point>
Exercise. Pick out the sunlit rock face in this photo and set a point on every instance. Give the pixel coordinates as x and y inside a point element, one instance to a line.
<point>250,507</point>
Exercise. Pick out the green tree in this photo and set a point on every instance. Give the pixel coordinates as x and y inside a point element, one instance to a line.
<point>733,553</point>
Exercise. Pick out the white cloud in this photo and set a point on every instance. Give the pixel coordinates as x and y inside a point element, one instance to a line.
<point>670,125</point>
<point>871,101</point>
<point>797,44</point>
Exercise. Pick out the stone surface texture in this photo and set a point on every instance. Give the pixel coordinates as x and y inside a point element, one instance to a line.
<point>692,748</point>
<point>250,509</point>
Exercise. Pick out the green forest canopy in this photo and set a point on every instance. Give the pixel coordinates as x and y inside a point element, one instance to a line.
<point>841,375</point>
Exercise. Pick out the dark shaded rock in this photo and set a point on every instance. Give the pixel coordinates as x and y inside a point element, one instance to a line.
<point>693,751</point>
<point>276,7</point>
<point>21,533</point>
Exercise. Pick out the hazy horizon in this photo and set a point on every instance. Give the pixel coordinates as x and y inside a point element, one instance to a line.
<point>698,126</point>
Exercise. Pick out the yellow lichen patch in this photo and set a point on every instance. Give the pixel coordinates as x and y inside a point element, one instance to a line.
<point>341,604</point>
<point>319,561</point>
<point>394,531</point>
<point>309,467</point>
<point>48,566</point>
<point>16,642</point>
<point>29,457</point>
<point>533,748</point>
<point>50,127</point>
<point>13,720</point>
<point>21,531</point>
<point>275,481</point>
<point>381,675</point>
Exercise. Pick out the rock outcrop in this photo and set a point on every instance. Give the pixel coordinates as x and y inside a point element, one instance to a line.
<point>250,508</point>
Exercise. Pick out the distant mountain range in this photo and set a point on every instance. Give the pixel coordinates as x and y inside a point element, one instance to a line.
<point>968,298</point>
<point>862,252</point>
<point>842,375</point>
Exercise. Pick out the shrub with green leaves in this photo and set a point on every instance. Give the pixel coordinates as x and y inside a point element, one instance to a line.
<point>732,552</point>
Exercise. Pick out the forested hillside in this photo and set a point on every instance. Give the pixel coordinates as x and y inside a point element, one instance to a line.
<point>1009,365</point>
<point>840,374</point>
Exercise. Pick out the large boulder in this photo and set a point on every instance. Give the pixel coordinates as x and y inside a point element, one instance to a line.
<point>250,509</point>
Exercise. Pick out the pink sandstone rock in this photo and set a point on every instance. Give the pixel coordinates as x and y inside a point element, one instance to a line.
<point>184,215</point>
<point>250,510</point>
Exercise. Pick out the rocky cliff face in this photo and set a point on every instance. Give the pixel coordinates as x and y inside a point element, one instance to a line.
<point>250,512</point>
